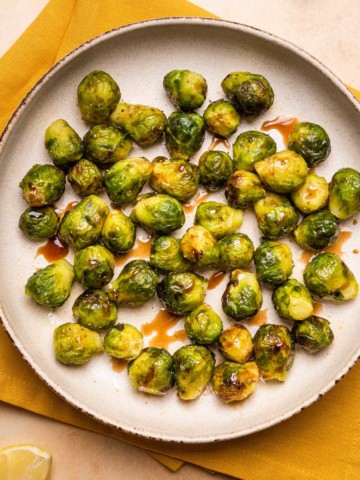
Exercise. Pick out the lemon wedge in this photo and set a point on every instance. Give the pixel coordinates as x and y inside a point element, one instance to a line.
<point>24,462</point>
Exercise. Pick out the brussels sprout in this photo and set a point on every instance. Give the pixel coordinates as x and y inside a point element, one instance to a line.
<point>145,125</point>
<point>51,285</point>
<point>199,246</point>
<point>235,251</point>
<point>81,226</point>
<point>63,144</point>
<point>187,90</point>
<point>194,366</point>
<point>275,215</point>
<point>135,285</point>
<point>124,341</point>
<point>152,371</point>
<point>93,309</point>
<point>284,172</point>
<point>218,218</point>
<point>39,223</point>
<point>221,118</point>
<point>242,297</point>
<point>293,301</point>
<point>118,232</point>
<point>313,334</point>
<point>233,382</point>
<point>85,178</point>
<point>94,266</point>
<point>244,189</point>
<point>165,255</point>
<point>125,179</point>
<point>251,93</point>
<point>75,344</point>
<point>42,185</point>
<point>317,231</point>
<point>98,95</point>
<point>274,262</point>
<point>327,276</point>
<point>105,144</point>
<point>274,351</point>
<point>182,292</point>
<point>344,200</point>
<point>184,134</point>
<point>158,213</point>
<point>235,343</point>
<point>311,142</point>
<point>203,325</point>
<point>177,178</point>
<point>215,168</point>
<point>250,147</point>
<point>312,195</point>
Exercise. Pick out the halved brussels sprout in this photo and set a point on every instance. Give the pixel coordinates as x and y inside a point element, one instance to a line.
<point>221,118</point>
<point>85,178</point>
<point>311,142</point>
<point>118,232</point>
<point>275,215</point>
<point>94,266</point>
<point>199,246</point>
<point>105,144</point>
<point>317,231</point>
<point>218,218</point>
<point>233,382</point>
<point>63,144</point>
<point>235,251</point>
<point>250,147</point>
<point>165,255</point>
<point>75,344</point>
<point>293,301</point>
<point>187,90</point>
<point>184,134</point>
<point>235,343</point>
<point>203,325</point>
<point>312,195</point>
<point>51,285</point>
<point>43,185</point>
<point>215,169</point>
<point>39,223</point>
<point>124,341</point>
<point>242,297</point>
<point>313,334</point>
<point>274,262</point>
<point>93,309</point>
<point>344,199</point>
<point>244,189</point>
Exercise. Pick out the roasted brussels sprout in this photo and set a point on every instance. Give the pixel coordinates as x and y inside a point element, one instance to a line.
<point>182,292</point>
<point>94,266</point>
<point>135,285</point>
<point>105,144</point>
<point>244,189</point>
<point>317,231</point>
<point>198,245</point>
<point>194,366</point>
<point>274,262</point>
<point>42,185</point>
<point>152,371</point>
<point>311,142</point>
<point>251,93</point>
<point>118,232</point>
<point>235,251</point>
<point>63,144</point>
<point>177,178</point>
<point>233,382</point>
<point>187,90</point>
<point>275,215</point>
<point>293,301</point>
<point>235,343</point>
<point>93,309</point>
<point>218,218</point>
<point>98,95</point>
<point>145,125</point>
<point>215,168</point>
<point>165,255</point>
<point>184,134</point>
<point>51,285</point>
<point>274,351</point>
<point>75,344</point>
<point>124,341</point>
<point>327,276</point>
<point>242,297</point>
<point>158,213</point>
<point>250,147</point>
<point>221,118</point>
<point>39,223</point>
<point>203,325</point>
<point>344,200</point>
<point>312,195</point>
<point>313,334</point>
<point>81,226</point>
<point>85,178</point>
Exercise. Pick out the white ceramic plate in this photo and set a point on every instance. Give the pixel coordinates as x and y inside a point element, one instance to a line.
<point>138,56</point>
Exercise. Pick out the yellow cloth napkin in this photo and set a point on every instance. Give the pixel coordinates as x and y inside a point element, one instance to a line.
<point>322,442</point>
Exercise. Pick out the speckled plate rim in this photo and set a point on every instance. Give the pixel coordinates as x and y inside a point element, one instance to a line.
<point>195,21</point>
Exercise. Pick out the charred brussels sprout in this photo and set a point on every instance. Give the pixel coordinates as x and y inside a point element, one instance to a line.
<point>215,168</point>
<point>293,301</point>
<point>218,218</point>
<point>194,366</point>
<point>75,344</point>
<point>182,292</point>
<point>118,232</point>
<point>235,251</point>
<point>81,226</point>
<point>251,93</point>
<point>39,223</point>
<point>311,142</point>
<point>233,382</point>
<point>313,334</point>
<point>85,178</point>
<point>135,285</point>
<point>124,341</point>
<point>312,195</point>
<point>93,309</point>
<point>273,261</point>
<point>244,189</point>
<point>184,134</point>
<point>242,297</point>
<point>187,90</point>
<point>328,277</point>
<point>251,147</point>
<point>105,144</point>
<point>235,343</point>
<point>344,200</point>
<point>203,325</point>
<point>221,118</point>
<point>199,246</point>
<point>51,285</point>
<point>42,185</point>
<point>145,125</point>
<point>152,371</point>
<point>98,95</point>
<point>63,144</point>
<point>165,255</point>
<point>275,215</point>
<point>94,266</point>
<point>274,351</point>
<point>317,231</point>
